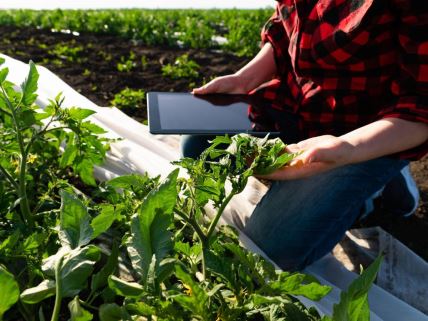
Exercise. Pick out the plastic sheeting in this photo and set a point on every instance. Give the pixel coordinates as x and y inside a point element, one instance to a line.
<point>139,151</point>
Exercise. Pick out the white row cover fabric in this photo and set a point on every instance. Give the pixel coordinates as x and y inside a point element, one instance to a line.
<point>138,151</point>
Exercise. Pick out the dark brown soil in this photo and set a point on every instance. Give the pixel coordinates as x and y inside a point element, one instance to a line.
<point>94,73</point>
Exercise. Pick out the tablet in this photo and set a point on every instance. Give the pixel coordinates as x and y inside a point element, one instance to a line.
<point>214,114</point>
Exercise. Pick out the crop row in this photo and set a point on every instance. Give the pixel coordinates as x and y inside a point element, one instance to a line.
<point>234,30</point>
<point>133,248</point>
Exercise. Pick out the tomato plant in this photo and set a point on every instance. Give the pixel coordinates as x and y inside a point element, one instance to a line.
<point>134,246</point>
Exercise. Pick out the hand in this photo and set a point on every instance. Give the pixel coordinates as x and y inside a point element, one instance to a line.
<point>319,154</point>
<point>230,84</point>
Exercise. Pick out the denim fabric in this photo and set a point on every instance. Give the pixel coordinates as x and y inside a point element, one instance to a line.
<point>299,221</point>
<point>193,145</point>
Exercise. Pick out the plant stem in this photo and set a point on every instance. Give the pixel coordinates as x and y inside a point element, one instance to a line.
<point>201,236</point>
<point>9,177</point>
<point>58,297</point>
<point>87,305</point>
<point>193,223</point>
<point>218,215</point>
<point>24,204</point>
<point>22,188</point>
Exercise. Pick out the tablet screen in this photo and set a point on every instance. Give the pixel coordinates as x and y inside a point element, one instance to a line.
<point>184,113</point>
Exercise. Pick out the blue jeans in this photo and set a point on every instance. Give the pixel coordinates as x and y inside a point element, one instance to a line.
<point>299,221</point>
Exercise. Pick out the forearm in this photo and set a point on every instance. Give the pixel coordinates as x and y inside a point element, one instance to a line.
<point>260,69</point>
<point>385,137</point>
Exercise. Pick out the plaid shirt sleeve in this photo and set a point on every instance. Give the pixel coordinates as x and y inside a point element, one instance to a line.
<point>411,85</point>
<point>274,32</point>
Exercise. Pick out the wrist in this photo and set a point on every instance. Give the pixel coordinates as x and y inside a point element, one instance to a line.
<point>350,149</point>
<point>243,82</point>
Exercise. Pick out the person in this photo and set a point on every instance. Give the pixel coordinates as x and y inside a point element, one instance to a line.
<point>356,75</point>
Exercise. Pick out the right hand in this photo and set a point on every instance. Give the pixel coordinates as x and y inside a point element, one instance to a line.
<point>229,84</point>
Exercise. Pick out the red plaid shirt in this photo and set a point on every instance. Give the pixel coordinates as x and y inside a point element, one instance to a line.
<point>345,63</point>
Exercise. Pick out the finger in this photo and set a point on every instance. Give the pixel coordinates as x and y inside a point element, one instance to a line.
<point>292,148</point>
<point>200,91</point>
<point>211,87</point>
<point>296,171</point>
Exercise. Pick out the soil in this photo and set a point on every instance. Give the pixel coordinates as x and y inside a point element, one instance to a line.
<point>94,73</point>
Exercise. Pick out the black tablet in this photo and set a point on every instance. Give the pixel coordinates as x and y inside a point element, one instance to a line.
<point>215,114</point>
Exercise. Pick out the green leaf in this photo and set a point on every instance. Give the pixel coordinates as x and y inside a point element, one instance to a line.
<point>99,279</point>
<point>128,181</point>
<point>76,268</point>
<point>69,155</point>
<point>141,308</point>
<point>150,235</point>
<point>94,129</point>
<point>75,229</point>
<point>104,220</point>
<point>80,113</point>
<point>29,86</point>
<point>258,299</point>
<point>77,313</point>
<point>85,169</point>
<point>27,118</point>
<point>353,305</point>
<point>11,241</point>
<point>36,294</point>
<point>3,74</point>
<point>33,242</point>
<point>124,288</point>
<point>113,312</point>
<point>9,293</point>
<point>196,299</point>
<point>297,284</point>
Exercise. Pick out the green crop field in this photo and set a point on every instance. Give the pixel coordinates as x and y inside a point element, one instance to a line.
<point>188,28</point>
<point>134,247</point>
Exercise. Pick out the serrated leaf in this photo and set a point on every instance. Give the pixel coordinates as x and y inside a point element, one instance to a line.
<point>29,86</point>
<point>80,113</point>
<point>3,74</point>
<point>132,181</point>
<point>150,235</point>
<point>9,293</point>
<point>293,312</point>
<point>75,229</point>
<point>85,169</point>
<point>353,305</point>
<point>94,129</point>
<point>296,284</point>
<point>196,299</point>
<point>124,288</point>
<point>36,294</point>
<point>77,313</point>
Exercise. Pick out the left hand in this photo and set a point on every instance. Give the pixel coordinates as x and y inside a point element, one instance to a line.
<point>319,154</point>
